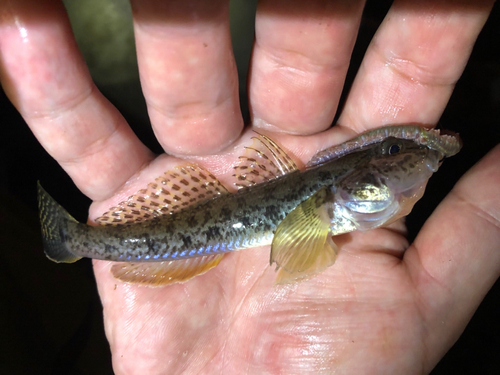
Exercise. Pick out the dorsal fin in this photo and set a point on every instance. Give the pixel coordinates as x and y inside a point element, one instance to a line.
<point>264,160</point>
<point>175,190</point>
<point>171,192</point>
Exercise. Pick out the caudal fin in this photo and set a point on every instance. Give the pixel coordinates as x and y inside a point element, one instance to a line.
<point>54,221</point>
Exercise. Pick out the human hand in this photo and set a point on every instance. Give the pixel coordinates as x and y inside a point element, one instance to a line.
<point>376,310</point>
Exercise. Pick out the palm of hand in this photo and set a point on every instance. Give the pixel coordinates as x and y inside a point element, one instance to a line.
<point>365,313</point>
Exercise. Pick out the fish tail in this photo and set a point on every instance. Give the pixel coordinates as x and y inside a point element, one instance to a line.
<point>54,220</point>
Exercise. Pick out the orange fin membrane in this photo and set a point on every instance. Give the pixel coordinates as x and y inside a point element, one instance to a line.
<point>164,273</point>
<point>175,190</point>
<point>302,245</point>
<point>264,160</point>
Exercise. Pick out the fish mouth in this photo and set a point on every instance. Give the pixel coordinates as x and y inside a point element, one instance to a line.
<point>434,160</point>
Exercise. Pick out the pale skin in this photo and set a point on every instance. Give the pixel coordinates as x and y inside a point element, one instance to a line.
<point>379,309</point>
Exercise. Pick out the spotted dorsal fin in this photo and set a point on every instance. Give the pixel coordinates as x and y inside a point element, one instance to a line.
<point>171,192</point>
<point>263,160</point>
<point>175,190</point>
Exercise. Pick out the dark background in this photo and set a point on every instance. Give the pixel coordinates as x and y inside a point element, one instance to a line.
<point>50,314</point>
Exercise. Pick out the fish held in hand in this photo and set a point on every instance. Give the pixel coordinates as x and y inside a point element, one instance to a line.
<point>183,223</point>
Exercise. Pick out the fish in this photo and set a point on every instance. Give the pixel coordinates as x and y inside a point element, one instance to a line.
<point>183,223</point>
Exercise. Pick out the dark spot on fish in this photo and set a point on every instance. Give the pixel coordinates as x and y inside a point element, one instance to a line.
<point>186,240</point>
<point>212,232</point>
<point>108,249</point>
<point>191,221</point>
<point>225,212</point>
<point>245,221</point>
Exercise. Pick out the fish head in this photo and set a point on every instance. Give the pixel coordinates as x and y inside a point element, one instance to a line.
<point>386,187</point>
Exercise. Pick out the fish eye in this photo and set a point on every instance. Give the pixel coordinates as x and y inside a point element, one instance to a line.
<point>392,146</point>
<point>394,149</point>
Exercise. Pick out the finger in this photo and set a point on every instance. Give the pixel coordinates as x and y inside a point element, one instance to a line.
<point>188,73</point>
<point>45,77</point>
<point>455,259</point>
<point>300,59</point>
<point>413,62</point>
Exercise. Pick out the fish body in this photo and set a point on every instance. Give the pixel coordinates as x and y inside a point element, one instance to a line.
<point>361,187</point>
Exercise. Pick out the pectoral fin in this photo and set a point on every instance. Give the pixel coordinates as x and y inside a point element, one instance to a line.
<point>302,245</point>
<point>164,273</point>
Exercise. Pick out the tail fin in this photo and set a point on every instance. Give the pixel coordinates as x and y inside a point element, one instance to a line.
<point>54,221</point>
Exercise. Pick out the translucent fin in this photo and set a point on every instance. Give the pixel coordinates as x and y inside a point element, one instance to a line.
<point>326,257</point>
<point>54,222</point>
<point>302,245</point>
<point>264,160</point>
<point>164,273</point>
<point>175,190</point>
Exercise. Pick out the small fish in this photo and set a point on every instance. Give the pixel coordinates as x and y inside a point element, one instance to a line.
<point>181,225</point>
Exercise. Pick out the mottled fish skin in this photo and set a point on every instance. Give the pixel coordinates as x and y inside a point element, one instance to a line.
<point>228,222</point>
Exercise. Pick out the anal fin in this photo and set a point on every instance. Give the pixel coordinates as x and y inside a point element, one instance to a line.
<point>157,274</point>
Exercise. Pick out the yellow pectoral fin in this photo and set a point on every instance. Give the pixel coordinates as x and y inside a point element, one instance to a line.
<point>325,258</point>
<point>165,273</point>
<point>302,245</point>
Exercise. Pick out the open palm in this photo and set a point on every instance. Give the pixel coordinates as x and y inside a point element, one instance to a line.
<point>379,309</point>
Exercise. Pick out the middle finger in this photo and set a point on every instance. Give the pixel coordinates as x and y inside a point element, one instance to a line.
<point>300,58</point>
